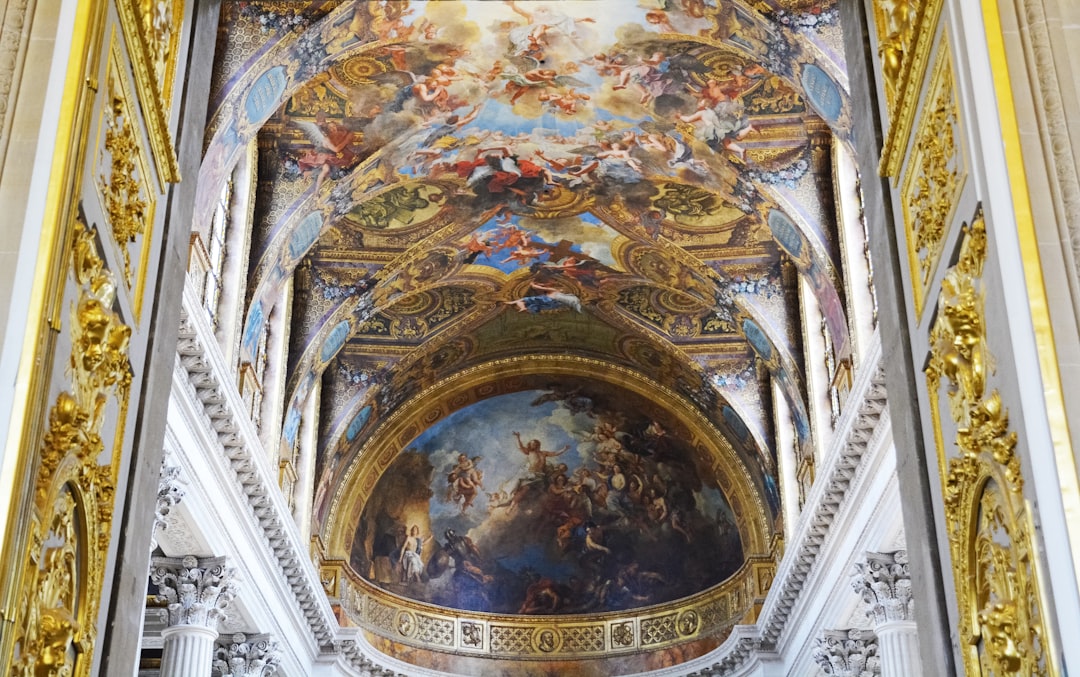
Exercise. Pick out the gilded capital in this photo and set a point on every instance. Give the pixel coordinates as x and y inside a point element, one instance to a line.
<point>196,591</point>
<point>885,585</point>
<point>243,655</point>
<point>848,653</point>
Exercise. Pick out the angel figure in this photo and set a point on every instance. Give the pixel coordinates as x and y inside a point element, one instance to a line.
<point>524,75</point>
<point>333,148</point>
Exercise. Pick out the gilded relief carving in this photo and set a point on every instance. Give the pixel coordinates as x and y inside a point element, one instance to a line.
<point>121,177</point>
<point>74,495</point>
<point>986,515</point>
<point>934,177</point>
<point>152,33</point>
<point>895,21</point>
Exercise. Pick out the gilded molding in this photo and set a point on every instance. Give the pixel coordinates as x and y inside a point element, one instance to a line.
<point>993,555</point>
<point>933,178</point>
<point>121,177</point>
<point>152,30</point>
<point>911,69</point>
<point>74,495</point>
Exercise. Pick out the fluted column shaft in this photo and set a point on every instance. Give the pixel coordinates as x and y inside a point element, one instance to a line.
<point>898,649</point>
<point>189,651</point>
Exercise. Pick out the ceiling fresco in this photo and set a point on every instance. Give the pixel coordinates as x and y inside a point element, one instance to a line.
<point>639,185</point>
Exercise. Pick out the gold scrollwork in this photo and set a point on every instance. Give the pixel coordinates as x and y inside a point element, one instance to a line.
<point>121,176</point>
<point>934,177</point>
<point>986,515</point>
<point>152,30</point>
<point>74,493</point>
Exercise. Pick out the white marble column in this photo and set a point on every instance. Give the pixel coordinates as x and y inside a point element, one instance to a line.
<point>246,656</point>
<point>848,653</point>
<point>885,585</point>
<point>195,591</point>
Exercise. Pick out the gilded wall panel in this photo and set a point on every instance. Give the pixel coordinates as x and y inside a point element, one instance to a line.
<point>906,30</point>
<point>933,177</point>
<point>152,30</point>
<point>74,490</point>
<point>125,192</point>
<point>1001,619</point>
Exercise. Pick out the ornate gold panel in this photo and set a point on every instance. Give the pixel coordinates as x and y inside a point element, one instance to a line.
<point>993,556</point>
<point>121,176</point>
<point>152,31</point>
<point>906,30</point>
<point>933,177</point>
<point>74,494</point>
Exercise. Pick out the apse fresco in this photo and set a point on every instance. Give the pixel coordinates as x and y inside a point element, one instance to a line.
<point>567,500</point>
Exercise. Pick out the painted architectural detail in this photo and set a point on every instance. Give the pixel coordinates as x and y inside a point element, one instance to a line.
<point>242,655</point>
<point>848,653</point>
<point>196,591</point>
<point>885,585</point>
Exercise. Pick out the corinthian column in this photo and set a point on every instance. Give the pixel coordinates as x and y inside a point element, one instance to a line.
<point>885,585</point>
<point>196,592</point>
<point>848,653</point>
<point>246,656</point>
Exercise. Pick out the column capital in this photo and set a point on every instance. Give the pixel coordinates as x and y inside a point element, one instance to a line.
<point>170,493</point>
<point>885,585</point>
<point>196,591</point>
<point>243,655</point>
<point>848,653</point>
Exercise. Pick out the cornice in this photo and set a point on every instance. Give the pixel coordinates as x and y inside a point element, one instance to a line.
<point>858,431</point>
<point>199,358</point>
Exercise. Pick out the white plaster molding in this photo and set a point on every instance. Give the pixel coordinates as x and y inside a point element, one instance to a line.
<point>14,38</point>
<point>196,591</point>
<point>884,583</point>
<point>246,655</point>
<point>209,381</point>
<point>848,653</point>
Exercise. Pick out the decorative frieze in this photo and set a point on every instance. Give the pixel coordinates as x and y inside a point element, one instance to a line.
<point>242,655</point>
<point>884,583</point>
<point>170,493</point>
<point>848,653</point>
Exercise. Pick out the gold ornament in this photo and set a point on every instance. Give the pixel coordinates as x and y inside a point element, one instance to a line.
<point>986,515</point>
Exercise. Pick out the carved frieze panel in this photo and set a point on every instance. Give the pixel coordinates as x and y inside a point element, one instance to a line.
<point>1001,620</point>
<point>933,177</point>
<point>121,176</point>
<point>152,30</point>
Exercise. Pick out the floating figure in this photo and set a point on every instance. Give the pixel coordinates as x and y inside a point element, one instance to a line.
<point>465,481</point>
<point>551,299</point>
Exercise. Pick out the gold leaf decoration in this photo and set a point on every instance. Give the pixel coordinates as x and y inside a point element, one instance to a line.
<point>1000,618</point>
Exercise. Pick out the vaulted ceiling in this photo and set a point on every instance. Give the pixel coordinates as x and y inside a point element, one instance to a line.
<point>480,213</point>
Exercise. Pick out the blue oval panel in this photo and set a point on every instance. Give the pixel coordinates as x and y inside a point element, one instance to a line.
<point>758,341</point>
<point>822,93</point>
<point>292,425</point>
<point>307,231</point>
<point>334,340</point>
<point>785,233</point>
<point>264,97</point>
<point>358,423</point>
<point>253,331</point>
